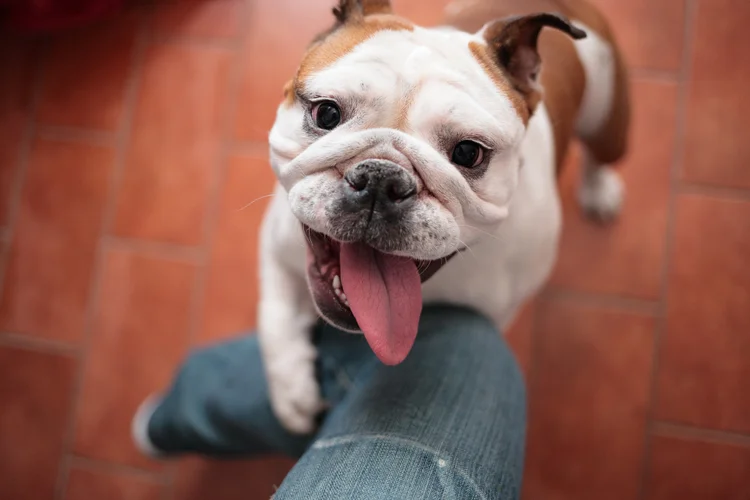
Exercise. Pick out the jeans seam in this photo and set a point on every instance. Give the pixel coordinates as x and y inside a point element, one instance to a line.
<point>332,442</point>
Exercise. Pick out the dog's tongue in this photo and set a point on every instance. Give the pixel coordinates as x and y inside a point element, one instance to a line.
<point>385,295</point>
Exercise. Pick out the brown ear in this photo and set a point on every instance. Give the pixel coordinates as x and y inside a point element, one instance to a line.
<point>513,41</point>
<point>348,10</point>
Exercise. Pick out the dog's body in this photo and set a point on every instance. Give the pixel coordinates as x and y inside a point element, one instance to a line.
<point>495,233</point>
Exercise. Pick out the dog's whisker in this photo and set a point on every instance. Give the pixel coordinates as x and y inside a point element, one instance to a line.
<point>467,247</point>
<point>480,230</point>
<point>256,199</point>
<point>308,235</point>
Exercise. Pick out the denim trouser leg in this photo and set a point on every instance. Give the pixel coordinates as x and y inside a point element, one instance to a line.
<point>448,423</point>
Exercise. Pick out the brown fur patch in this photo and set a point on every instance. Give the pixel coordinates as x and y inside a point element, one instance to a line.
<point>564,81</point>
<point>487,60</point>
<point>377,7</point>
<point>405,105</point>
<point>343,40</point>
<point>289,95</point>
<point>348,10</point>
<point>610,142</point>
<point>562,72</point>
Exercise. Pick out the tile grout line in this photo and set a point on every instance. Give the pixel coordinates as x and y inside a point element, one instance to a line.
<point>723,192</point>
<point>96,465</point>
<point>76,134</point>
<point>678,155</point>
<point>196,41</point>
<point>39,345</point>
<point>108,214</point>
<point>614,302</point>
<point>220,168</point>
<point>22,159</point>
<point>31,132</point>
<point>680,430</point>
<point>254,149</point>
<point>220,165</point>
<point>155,249</point>
<point>655,75</point>
<point>167,472</point>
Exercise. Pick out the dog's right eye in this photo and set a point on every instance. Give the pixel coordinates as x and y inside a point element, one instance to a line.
<point>467,154</point>
<point>326,115</point>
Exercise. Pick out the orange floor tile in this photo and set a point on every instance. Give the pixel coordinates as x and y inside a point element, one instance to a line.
<point>130,150</point>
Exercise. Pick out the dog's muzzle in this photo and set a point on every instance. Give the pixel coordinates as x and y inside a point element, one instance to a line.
<point>379,186</point>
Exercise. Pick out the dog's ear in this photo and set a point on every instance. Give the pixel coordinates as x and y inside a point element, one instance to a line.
<point>513,42</point>
<point>349,10</point>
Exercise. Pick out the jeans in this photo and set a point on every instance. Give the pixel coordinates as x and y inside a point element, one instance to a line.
<point>447,423</point>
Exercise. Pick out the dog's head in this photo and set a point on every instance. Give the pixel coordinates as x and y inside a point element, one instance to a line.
<point>398,146</point>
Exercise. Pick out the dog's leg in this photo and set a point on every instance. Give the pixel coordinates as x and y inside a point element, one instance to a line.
<point>285,319</point>
<point>601,191</point>
<point>602,124</point>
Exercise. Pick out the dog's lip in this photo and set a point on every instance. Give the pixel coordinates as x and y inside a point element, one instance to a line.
<point>427,268</point>
<point>323,265</point>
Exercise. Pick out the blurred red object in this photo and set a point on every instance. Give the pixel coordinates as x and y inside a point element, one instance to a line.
<point>35,16</point>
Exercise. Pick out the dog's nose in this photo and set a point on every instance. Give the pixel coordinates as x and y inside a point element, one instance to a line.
<point>379,185</point>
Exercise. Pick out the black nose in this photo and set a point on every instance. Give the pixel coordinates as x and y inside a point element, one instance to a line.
<point>379,185</point>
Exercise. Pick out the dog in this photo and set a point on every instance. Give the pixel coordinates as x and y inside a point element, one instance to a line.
<point>420,165</point>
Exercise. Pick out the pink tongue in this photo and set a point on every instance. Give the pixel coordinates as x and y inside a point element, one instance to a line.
<point>385,295</point>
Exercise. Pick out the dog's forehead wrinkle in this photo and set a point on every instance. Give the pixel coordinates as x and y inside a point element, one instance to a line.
<point>402,51</point>
<point>389,73</point>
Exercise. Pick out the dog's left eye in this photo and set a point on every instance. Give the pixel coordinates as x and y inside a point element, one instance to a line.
<point>467,154</point>
<point>326,115</point>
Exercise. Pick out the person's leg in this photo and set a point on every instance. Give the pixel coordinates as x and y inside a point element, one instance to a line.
<point>217,405</point>
<point>447,423</point>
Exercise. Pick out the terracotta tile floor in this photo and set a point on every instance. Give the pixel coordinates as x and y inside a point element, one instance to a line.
<point>130,150</point>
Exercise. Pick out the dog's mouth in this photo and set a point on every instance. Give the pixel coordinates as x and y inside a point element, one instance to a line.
<point>358,288</point>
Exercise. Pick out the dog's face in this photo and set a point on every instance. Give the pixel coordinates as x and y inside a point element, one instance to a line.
<point>398,146</point>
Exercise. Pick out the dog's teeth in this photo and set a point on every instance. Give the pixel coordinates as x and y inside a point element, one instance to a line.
<point>343,297</point>
<point>337,282</point>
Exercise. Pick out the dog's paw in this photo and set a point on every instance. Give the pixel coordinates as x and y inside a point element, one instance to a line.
<point>294,391</point>
<point>601,193</point>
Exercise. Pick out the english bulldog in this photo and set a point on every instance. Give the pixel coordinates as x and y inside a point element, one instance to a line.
<point>420,165</point>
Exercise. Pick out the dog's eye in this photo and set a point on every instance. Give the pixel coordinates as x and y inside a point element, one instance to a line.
<point>467,154</point>
<point>326,115</point>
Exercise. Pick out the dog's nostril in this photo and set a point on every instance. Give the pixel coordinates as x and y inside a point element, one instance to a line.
<point>378,185</point>
<point>398,191</point>
<point>357,179</point>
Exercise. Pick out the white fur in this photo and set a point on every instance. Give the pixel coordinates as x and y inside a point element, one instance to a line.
<point>598,61</point>
<point>601,191</point>
<point>510,219</point>
<point>286,314</point>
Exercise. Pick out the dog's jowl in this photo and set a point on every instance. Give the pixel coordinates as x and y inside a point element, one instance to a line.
<point>420,164</point>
